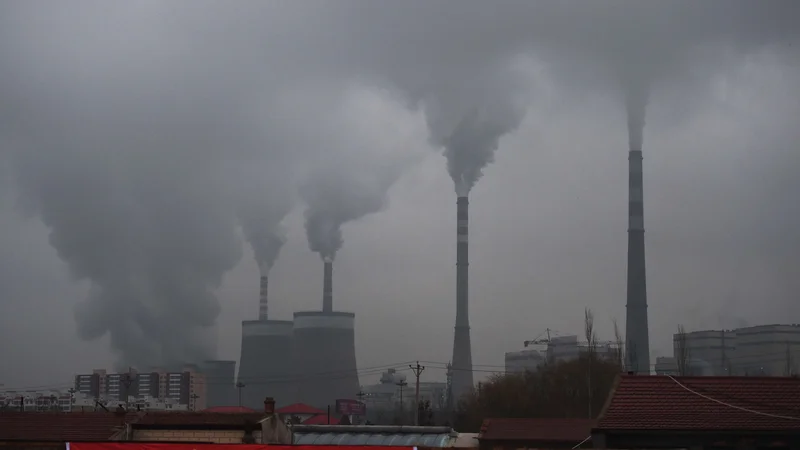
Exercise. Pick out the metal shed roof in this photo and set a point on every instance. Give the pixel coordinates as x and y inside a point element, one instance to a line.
<point>439,437</point>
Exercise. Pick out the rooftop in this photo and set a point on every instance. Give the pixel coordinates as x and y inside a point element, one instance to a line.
<point>569,431</point>
<point>57,426</point>
<point>374,435</point>
<point>702,403</point>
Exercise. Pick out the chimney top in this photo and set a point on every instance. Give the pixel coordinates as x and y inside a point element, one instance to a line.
<point>269,406</point>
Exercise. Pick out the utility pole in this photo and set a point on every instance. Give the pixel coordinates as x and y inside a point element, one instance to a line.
<point>417,371</point>
<point>789,360</point>
<point>194,401</point>
<point>127,380</point>
<point>71,398</point>
<point>239,386</point>
<point>360,395</point>
<point>402,384</point>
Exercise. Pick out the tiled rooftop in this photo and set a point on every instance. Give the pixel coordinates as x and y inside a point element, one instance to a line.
<point>703,403</point>
<point>57,426</point>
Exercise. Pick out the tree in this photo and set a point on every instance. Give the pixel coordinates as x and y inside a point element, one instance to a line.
<point>681,350</point>
<point>425,413</point>
<point>555,390</point>
<point>620,344</point>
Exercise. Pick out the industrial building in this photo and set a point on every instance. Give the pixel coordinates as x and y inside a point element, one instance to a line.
<point>265,364</point>
<point>324,353</point>
<point>522,361</point>
<point>220,379</point>
<point>555,349</point>
<point>768,350</point>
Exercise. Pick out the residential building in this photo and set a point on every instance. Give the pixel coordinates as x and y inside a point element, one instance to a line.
<point>157,386</point>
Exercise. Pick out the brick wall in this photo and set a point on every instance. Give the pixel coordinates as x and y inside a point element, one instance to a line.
<point>215,436</point>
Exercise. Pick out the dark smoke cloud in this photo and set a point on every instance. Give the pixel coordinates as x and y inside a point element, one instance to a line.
<point>468,115</point>
<point>126,129</point>
<point>121,122</point>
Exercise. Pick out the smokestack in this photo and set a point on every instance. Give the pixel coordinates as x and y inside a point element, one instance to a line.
<point>327,287</point>
<point>462,345</point>
<point>263,307</point>
<point>636,326</point>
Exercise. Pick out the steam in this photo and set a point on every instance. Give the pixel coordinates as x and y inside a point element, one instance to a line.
<point>336,197</point>
<point>468,114</point>
<point>263,203</point>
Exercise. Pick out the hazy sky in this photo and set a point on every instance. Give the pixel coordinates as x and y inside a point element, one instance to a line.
<point>134,136</point>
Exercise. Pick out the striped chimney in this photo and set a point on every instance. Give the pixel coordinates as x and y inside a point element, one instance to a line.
<point>636,324</point>
<point>327,286</point>
<point>263,309</point>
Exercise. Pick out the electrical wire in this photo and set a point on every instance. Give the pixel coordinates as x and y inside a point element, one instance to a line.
<point>752,411</point>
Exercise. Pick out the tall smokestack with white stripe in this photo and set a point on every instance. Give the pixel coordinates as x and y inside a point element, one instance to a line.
<point>263,307</point>
<point>462,345</point>
<point>636,326</point>
<point>327,286</point>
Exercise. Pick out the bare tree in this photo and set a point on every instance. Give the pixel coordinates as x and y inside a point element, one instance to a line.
<point>620,344</point>
<point>589,333</point>
<point>681,351</point>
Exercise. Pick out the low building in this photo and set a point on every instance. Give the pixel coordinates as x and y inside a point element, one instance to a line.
<point>700,412</point>
<point>30,400</point>
<point>515,434</point>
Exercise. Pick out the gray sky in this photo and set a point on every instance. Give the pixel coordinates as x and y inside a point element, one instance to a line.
<point>133,134</point>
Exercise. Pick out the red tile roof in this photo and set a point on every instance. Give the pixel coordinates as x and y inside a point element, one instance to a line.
<point>702,403</point>
<point>299,408</point>
<point>229,409</point>
<point>54,426</point>
<point>543,430</point>
<point>196,419</point>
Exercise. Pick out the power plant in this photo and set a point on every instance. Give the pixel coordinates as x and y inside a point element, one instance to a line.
<point>219,379</point>
<point>462,345</point>
<point>265,362</point>
<point>636,326</point>
<point>324,353</point>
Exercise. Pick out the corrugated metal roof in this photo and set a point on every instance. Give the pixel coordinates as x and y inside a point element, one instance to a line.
<point>439,437</point>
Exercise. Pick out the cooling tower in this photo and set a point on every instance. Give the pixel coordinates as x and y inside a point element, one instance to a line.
<point>325,351</point>
<point>265,365</point>
<point>462,345</point>
<point>324,357</point>
<point>636,327</point>
<point>219,377</point>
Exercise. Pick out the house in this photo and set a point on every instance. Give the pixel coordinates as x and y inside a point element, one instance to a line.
<point>700,412</point>
<point>515,434</point>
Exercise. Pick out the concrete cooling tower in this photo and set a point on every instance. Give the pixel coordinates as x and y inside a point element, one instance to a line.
<point>219,377</point>
<point>265,363</point>
<point>324,352</point>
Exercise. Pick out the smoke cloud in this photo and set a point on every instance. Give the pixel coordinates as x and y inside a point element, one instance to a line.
<point>468,116</point>
<point>336,197</point>
<point>263,203</point>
